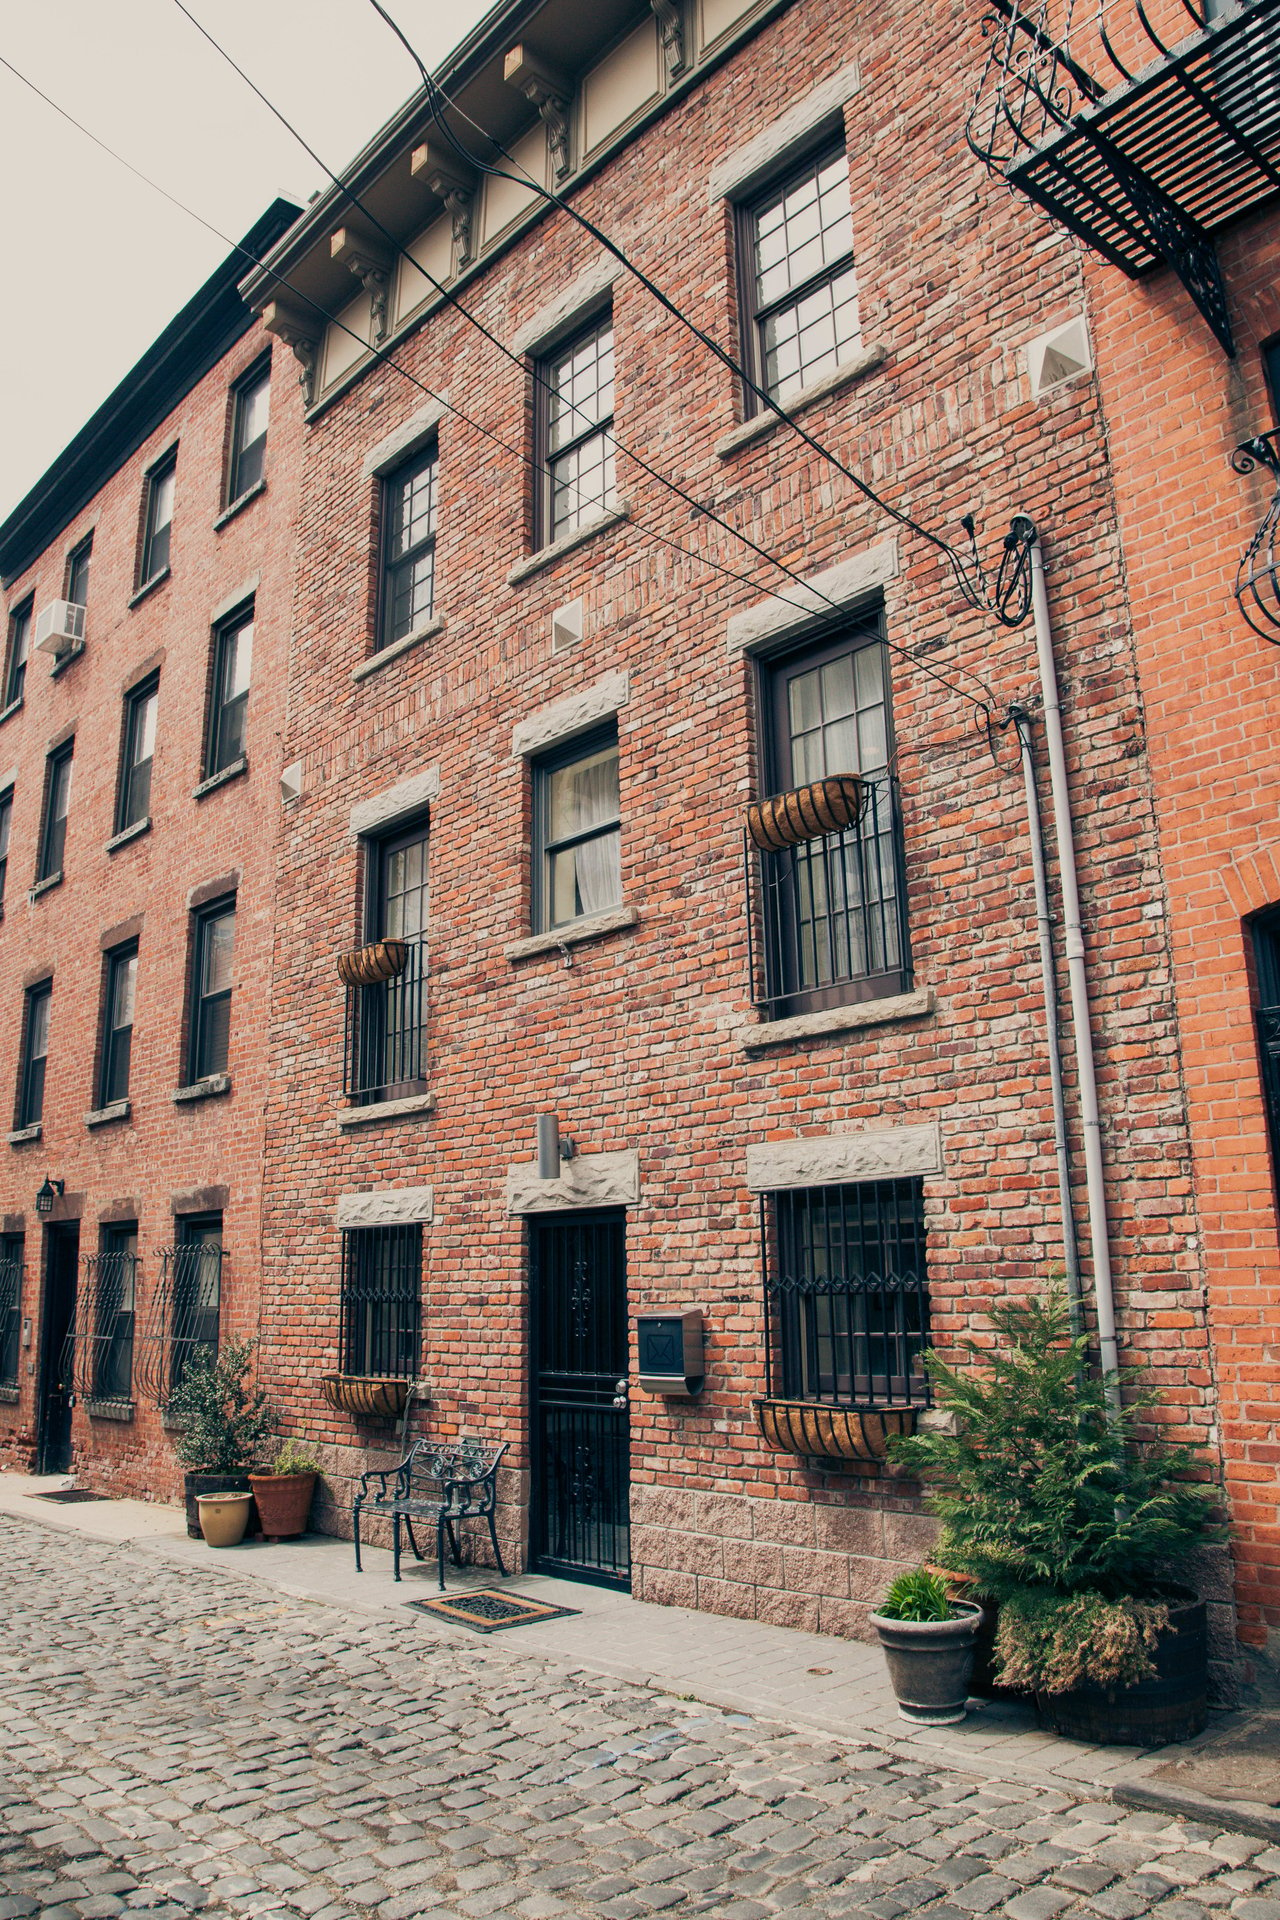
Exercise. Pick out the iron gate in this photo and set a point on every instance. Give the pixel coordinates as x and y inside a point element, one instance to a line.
<point>581,1441</point>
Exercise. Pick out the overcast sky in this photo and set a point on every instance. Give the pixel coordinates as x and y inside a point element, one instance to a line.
<point>95,263</point>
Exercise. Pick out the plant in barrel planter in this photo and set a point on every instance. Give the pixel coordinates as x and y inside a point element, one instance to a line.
<point>283,1495</point>
<point>928,1642</point>
<point>223,1426</point>
<point>1073,1527</point>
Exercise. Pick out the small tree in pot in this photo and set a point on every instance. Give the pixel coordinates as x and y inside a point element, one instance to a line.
<point>1073,1526</point>
<point>223,1424</point>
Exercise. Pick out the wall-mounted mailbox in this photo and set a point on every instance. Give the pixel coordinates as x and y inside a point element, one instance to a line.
<point>670,1347</point>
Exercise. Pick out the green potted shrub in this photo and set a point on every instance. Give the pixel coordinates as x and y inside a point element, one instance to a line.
<point>1074,1526</point>
<point>222,1426</point>
<point>283,1495</point>
<point>928,1643</point>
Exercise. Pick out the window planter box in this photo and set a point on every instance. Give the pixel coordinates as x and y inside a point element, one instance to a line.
<point>831,1433</point>
<point>365,1396</point>
<point>369,966</point>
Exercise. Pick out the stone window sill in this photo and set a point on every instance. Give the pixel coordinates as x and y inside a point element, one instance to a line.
<point>415,1103</point>
<point>103,1116</point>
<point>221,777</point>
<point>24,1136</point>
<point>7,713</point>
<point>207,1089</point>
<point>9,1396</point>
<point>121,1410</point>
<point>149,586</point>
<point>46,885</point>
<point>765,422</point>
<point>385,655</point>
<point>126,834</point>
<point>815,1026</point>
<point>572,935</point>
<point>66,659</point>
<point>238,506</point>
<point>611,516</point>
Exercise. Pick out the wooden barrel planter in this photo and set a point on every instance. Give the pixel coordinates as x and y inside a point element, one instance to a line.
<point>365,1396</point>
<point>831,1433</point>
<point>1172,1705</point>
<point>824,806</point>
<point>369,966</point>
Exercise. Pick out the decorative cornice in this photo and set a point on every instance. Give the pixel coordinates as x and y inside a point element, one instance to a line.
<point>302,338</point>
<point>550,92</point>
<point>457,192</point>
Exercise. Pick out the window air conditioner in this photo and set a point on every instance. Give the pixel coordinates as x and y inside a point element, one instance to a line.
<point>59,625</point>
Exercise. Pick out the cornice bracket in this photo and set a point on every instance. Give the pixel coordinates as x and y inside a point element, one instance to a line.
<point>671,25</point>
<point>550,91</point>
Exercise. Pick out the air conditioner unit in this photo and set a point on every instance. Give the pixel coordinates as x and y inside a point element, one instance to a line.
<point>59,626</point>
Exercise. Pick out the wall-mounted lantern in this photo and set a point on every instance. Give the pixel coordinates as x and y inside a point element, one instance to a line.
<point>51,1190</point>
<point>670,1353</point>
<point>552,1150</point>
<point>1257,583</point>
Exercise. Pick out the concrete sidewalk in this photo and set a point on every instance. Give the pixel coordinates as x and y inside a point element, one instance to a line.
<point>836,1687</point>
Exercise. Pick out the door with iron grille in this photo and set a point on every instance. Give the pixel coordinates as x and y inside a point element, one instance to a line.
<point>580,1427</point>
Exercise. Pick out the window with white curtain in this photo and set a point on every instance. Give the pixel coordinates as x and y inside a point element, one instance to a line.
<point>577,834</point>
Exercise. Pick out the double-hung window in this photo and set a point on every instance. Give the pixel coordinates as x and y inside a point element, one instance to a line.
<point>35,1053</point>
<point>121,979</point>
<point>57,803</point>
<point>77,578</point>
<point>113,1301</point>
<point>133,800</point>
<point>212,976</point>
<point>250,413</point>
<point>17,653</point>
<point>381,1307</point>
<point>157,523</point>
<point>408,548</point>
<point>800,290</point>
<point>386,1032</point>
<point>575,450</point>
<point>229,702</point>
<point>11,1251</point>
<point>6,822</point>
<point>577,831</point>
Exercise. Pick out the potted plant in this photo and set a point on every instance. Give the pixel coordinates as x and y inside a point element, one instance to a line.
<point>928,1642</point>
<point>1073,1526</point>
<point>222,1425</point>
<point>283,1496</point>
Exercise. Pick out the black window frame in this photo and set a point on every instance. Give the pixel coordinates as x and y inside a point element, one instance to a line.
<point>12,1277</point>
<point>114,1305</point>
<point>78,562</point>
<point>200,1034</point>
<point>51,862</point>
<point>6,836</point>
<point>1264,937</point>
<point>115,1051</point>
<point>254,452</point>
<point>33,1067</point>
<point>546,531</point>
<point>380,1301</point>
<point>542,768</point>
<point>227,724</point>
<point>385,1024</point>
<point>424,464</point>
<point>155,552</point>
<point>21,624</point>
<point>134,781</point>
<point>756,315</point>
<point>194,1326</point>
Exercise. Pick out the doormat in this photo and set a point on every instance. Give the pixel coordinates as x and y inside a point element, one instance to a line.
<point>488,1611</point>
<point>68,1494</point>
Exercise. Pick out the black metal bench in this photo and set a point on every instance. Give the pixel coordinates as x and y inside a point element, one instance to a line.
<point>440,1484</point>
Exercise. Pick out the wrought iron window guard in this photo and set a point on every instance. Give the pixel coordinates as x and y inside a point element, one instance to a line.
<point>101,1366</point>
<point>384,1043</point>
<point>1257,582</point>
<point>183,1318</point>
<point>10,1313</point>
<point>827,917</point>
<point>381,1301</point>
<point>1147,165</point>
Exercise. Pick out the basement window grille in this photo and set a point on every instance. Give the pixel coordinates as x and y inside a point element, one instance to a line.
<point>11,1249</point>
<point>381,1301</point>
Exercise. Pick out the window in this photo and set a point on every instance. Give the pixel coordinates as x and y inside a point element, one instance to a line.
<point>133,800</point>
<point>1271,371</point>
<point>11,1250</point>
<point>250,410</point>
<point>575,414</point>
<point>577,837</point>
<point>381,1300</point>
<point>6,821</point>
<point>846,1293</point>
<point>408,548</point>
<point>35,1049</point>
<point>15,673</point>
<point>1266,963</point>
<point>193,1284</point>
<point>57,800</point>
<point>386,1023</point>
<point>110,1284</point>
<point>800,291</point>
<point>835,925</point>
<point>77,580</point>
<point>232,665</point>
<point>158,522</point>
<point>214,946</point>
<point>117,1031</point>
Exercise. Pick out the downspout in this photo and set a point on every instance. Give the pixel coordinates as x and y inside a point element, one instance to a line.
<point>1077,983</point>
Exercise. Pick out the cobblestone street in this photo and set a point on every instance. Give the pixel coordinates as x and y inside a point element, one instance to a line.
<point>176,1741</point>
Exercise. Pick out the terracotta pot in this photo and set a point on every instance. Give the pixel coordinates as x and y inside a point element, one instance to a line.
<point>224,1517</point>
<point>367,1396</point>
<point>284,1501</point>
<point>1172,1705</point>
<point>929,1664</point>
<point>367,966</point>
<point>198,1482</point>
<point>831,1433</point>
<point>824,806</point>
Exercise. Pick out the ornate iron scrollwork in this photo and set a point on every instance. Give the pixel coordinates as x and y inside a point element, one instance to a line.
<point>1257,582</point>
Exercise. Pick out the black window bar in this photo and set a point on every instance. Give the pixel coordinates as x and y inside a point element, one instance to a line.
<point>10,1311</point>
<point>381,1301</point>
<point>104,1336</point>
<point>183,1319</point>
<point>846,1294</point>
<point>832,921</point>
<point>1257,581</point>
<point>384,1043</point>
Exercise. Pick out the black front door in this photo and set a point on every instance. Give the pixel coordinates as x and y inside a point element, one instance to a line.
<point>57,1346</point>
<point>581,1440</point>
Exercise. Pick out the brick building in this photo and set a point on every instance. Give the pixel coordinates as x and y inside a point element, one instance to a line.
<point>147,581</point>
<point>807,1090</point>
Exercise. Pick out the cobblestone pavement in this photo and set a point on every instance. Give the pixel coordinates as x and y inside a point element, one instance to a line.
<point>176,1742</point>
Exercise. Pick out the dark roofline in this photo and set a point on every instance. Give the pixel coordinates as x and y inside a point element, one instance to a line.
<point>193,343</point>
